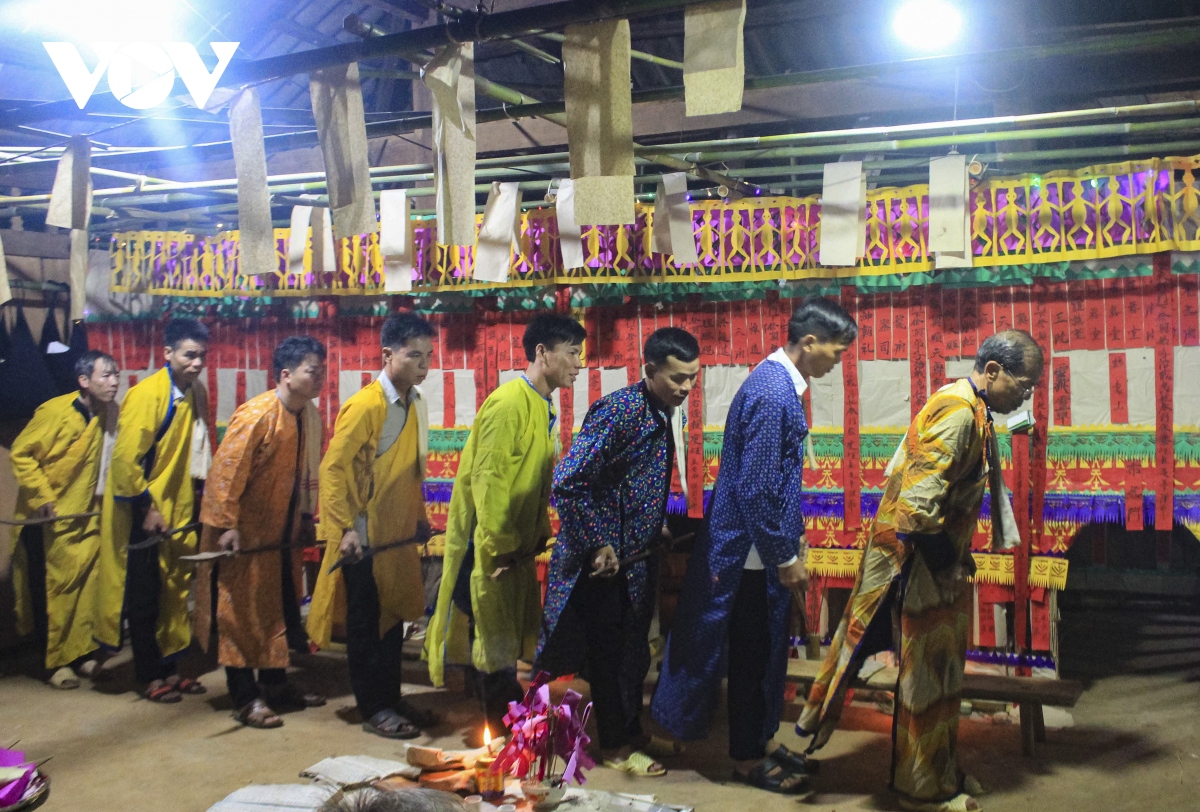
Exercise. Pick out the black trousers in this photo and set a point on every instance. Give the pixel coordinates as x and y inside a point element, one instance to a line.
<point>749,650</point>
<point>143,589</point>
<point>243,689</point>
<point>374,661</point>
<point>599,620</point>
<point>35,569</point>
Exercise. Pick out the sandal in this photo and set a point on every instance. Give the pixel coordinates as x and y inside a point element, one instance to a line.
<point>63,679</point>
<point>289,696</point>
<point>796,762</point>
<point>419,717</point>
<point>391,725</point>
<point>639,764</point>
<point>659,747</point>
<point>164,694</point>
<point>187,685</point>
<point>258,714</point>
<point>959,803</point>
<point>773,776</point>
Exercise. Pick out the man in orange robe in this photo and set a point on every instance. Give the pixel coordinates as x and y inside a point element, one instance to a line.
<point>258,505</point>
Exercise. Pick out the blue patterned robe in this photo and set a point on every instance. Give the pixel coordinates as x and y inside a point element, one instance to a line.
<point>756,501</point>
<point>610,489</point>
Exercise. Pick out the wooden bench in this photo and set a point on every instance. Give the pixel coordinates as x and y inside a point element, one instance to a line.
<point>1030,693</point>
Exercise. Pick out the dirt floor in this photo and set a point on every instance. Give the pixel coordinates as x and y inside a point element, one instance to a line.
<point>1135,744</point>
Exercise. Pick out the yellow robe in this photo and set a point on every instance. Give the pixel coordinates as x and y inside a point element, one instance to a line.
<point>388,489</point>
<point>57,459</point>
<point>502,499</point>
<point>256,474</point>
<point>169,484</point>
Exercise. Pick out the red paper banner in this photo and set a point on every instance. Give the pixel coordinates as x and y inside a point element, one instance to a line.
<point>1039,295</point>
<point>1134,519</point>
<point>723,334</point>
<point>633,344</point>
<point>985,327</point>
<point>331,403</point>
<point>1062,391</point>
<point>968,322</point>
<point>1060,318</point>
<point>935,320</point>
<point>491,330</point>
<point>739,333</point>
<point>756,348</point>
<point>695,449</point>
<point>1189,310</point>
<point>594,390</point>
<point>868,330</point>
<point>1164,368</point>
<point>1118,387</point>
<point>478,360</point>
<point>1093,314</point>
<point>882,304</point>
<point>1022,308</point>
<point>448,410</point>
<point>1114,314</point>
<point>705,324</point>
<point>566,417</point>
<point>900,337</point>
<point>1002,301</point>
<point>1039,618</point>
<point>952,324</point>
<point>1077,314</point>
<point>1135,329</point>
<point>851,460</point>
<point>918,352</point>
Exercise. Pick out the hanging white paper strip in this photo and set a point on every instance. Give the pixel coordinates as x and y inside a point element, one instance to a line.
<point>672,232</point>
<point>324,251</point>
<point>843,206</point>
<point>256,232</point>
<point>570,238</point>
<point>947,203</point>
<point>501,225</point>
<point>395,243</point>
<point>714,66</point>
<point>78,272</point>
<point>450,77</point>
<point>298,238</point>
<point>5,290</point>
<point>71,196</point>
<point>959,188</point>
<point>337,104</point>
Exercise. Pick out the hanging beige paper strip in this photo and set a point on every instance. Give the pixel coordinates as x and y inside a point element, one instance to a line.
<point>78,272</point>
<point>843,204</point>
<point>342,130</point>
<point>5,290</point>
<point>954,184</point>
<point>570,237</point>
<point>71,196</point>
<point>324,250</point>
<point>673,233</point>
<point>500,227</point>
<point>298,238</point>
<point>450,78</point>
<point>256,233</point>
<point>714,65</point>
<point>600,121</point>
<point>395,241</point>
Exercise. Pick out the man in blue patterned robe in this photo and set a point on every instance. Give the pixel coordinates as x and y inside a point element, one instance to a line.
<point>611,493</point>
<point>734,606</point>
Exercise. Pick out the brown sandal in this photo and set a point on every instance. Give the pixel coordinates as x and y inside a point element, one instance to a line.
<point>259,715</point>
<point>187,685</point>
<point>164,694</point>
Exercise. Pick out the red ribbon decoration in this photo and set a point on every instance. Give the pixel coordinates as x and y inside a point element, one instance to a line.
<point>851,461</point>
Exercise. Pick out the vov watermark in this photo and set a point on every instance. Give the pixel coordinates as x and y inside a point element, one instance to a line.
<point>140,74</point>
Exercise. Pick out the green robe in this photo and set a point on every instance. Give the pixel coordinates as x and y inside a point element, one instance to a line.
<point>501,499</point>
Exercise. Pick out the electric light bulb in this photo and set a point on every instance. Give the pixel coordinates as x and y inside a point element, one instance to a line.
<point>927,25</point>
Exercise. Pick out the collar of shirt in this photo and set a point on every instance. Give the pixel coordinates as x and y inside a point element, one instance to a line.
<point>549,402</point>
<point>780,357</point>
<point>389,389</point>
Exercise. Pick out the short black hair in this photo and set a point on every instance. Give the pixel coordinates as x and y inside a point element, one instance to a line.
<point>550,330</point>
<point>402,328</point>
<point>1011,349</point>
<point>179,329</point>
<point>823,318</point>
<point>292,351</point>
<point>670,342</point>
<point>85,365</point>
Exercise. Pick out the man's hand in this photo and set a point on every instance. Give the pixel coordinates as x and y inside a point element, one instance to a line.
<point>154,522</point>
<point>351,546</point>
<point>47,511</point>
<point>795,575</point>
<point>605,563</point>
<point>230,541</point>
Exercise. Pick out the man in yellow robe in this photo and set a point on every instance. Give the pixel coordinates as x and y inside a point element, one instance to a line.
<point>499,520</point>
<point>258,497</point>
<point>57,462</point>
<point>162,446</point>
<point>371,495</point>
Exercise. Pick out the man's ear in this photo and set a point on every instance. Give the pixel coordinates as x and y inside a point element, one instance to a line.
<point>651,369</point>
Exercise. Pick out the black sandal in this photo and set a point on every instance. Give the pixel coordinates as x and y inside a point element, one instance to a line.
<point>761,777</point>
<point>391,725</point>
<point>796,762</point>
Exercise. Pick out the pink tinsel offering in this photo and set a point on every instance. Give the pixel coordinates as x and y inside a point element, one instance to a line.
<point>543,732</point>
<point>12,792</point>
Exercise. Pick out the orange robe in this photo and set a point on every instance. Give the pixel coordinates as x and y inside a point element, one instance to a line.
<point>254,485</point>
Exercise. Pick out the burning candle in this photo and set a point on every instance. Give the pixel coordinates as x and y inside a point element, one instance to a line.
<point>489,782</point>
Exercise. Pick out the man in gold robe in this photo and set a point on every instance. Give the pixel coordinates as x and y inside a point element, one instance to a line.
<point>915,571</point>
<point>57,461</point>
<point>161,448</point>
<point>258,506</point>
<point>371,495</point>
<point>489,605</point>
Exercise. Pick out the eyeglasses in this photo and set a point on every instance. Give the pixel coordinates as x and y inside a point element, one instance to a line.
<point>1026,388</point>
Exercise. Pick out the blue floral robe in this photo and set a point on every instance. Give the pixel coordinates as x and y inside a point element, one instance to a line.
<point>610,489</point>
<point>756,501</point>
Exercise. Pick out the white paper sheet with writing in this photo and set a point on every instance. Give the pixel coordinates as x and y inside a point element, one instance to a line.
<point>843,205</point>
<point>395,241</point>
<point>350,770</point>
<point>275,798</point>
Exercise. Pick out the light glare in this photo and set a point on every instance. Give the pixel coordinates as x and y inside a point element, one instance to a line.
<point>103,20</point>
<point>927,25</point>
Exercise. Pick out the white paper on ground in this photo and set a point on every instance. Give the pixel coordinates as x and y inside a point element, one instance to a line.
<point>673,233</point>
<point>347,770</point>
<point>500,227</point>
<point>570,238</point>
<point>395,242</point>
<point>842,213</point>
<point>275,798</point>
<point>948,203</point>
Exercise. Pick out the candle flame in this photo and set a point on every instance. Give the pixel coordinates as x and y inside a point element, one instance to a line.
<point>487,738</point>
